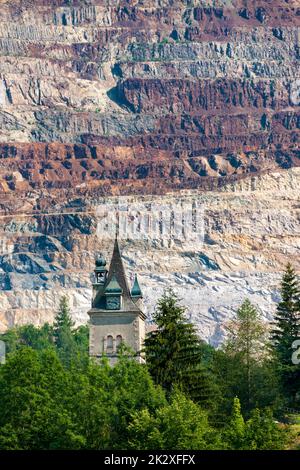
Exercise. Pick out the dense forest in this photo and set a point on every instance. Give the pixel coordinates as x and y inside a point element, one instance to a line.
<point>188,395</point>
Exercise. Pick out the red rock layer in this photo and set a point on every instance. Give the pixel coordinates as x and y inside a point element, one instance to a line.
<point>146,96</point>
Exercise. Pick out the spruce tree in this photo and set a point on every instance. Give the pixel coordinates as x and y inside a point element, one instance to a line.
<point>174,352</point>
<point>62,332</point>
<point>63,320</point>
<point>234,433</point>
<point>263,433</point>
<point>286,331</point>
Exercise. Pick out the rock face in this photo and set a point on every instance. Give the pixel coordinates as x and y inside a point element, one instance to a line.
<point>150,101</point>
<point>214,248</point>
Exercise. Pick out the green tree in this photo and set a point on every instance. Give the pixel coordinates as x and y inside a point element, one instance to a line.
<point>81,336</point>
<point>132,390</point>
<point>71,343</point>
<point>180,424</point>
<point>63,334</point>
<point>243,367</point>
<point>235,432</point>
<point>88,398</point>
<point>247,342</point>
<point>28,335</point>
<point>63,322</point>
<point>33,414</point>
<point>174,352</point>
<point>45,405</point>
<point>286,331</point>
<point>11,339</point>
<point>262,433</point>
<point>102,400</point>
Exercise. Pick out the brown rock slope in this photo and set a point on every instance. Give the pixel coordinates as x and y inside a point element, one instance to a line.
<point>146,96</point>
<point>165,99</point>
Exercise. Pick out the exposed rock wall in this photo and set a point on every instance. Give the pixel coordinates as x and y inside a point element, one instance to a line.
<point>246,234</point>
<point>155,99</point>
<point>187,91</point>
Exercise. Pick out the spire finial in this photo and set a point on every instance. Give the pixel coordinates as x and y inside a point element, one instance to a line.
<point>100,260</point>
<point>117,227</point>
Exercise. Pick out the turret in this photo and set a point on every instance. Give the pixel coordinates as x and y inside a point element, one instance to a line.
<point>116,316</point>
<point>136,293</point>
<point>100,270</point>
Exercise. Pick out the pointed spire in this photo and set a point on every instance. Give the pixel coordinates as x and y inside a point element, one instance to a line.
<point>117,269</point>
<point>116,284</point>
<point>136,290</point>
<point>117,229</point>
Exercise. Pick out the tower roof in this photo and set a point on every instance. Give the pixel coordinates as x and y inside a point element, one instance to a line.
<point>100,263</point>
<point>116,283</point>
<point>113,287</point>
<point>136,290</point>
<point>116,269</point>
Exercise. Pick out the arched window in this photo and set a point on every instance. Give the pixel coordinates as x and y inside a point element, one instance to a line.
<point>109,344</point>
<point>119,341</point>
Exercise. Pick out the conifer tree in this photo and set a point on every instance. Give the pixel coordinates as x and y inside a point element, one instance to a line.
<point>174,352</point>
<point>263,433</point>
<point>259,432</point>
<point>286,331</point>
<point>246,342</point>
<point>63,320</point>
<point>235,431</point>
<point>62,332</point>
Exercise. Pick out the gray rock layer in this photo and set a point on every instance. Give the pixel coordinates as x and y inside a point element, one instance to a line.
<point>213,249</point>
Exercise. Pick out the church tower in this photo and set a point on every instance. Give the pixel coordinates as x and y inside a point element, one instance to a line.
<point>116,315</point>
